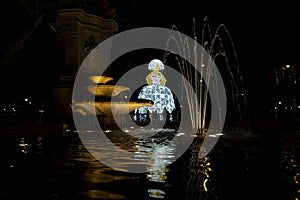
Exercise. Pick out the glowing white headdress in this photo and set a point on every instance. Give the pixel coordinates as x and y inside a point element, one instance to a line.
<point>155,63</point>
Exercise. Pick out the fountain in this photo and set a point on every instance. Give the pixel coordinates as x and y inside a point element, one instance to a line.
<point>104,108</point>
<point>200,97</point>
<point>148,149</point>
<point>224,55</point>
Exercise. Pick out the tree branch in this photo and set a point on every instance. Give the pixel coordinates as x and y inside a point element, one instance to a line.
<point>18,43</point>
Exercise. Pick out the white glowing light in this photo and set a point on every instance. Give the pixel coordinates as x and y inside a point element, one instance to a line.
<point>155,63</point>
<point>212,136</point>
<point>156,91</point>
<point>219,134</point>
<point>160,95</point>
<point>180,134</point>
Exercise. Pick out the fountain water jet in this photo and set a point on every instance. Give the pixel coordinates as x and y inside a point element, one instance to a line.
<point>220,46</point>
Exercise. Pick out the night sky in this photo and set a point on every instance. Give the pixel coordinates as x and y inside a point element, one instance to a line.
<point>265,36</point>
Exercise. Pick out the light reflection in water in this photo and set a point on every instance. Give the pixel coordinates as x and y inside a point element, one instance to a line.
<point>200,172</point>
<point>291,164</point>
<point>156,152</point>
<point>206,170</point>
<point>160,156</point>
<point>92,171</point>
<point>238,168</point>
<point>24,145</point>
<point>98,194</point>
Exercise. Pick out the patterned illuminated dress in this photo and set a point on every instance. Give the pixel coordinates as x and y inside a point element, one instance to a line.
<point>157,92</point>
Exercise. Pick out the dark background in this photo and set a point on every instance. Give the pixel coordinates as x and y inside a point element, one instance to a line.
<point>265,36</point>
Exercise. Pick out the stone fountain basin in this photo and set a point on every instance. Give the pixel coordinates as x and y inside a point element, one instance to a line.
<point>107,108</point>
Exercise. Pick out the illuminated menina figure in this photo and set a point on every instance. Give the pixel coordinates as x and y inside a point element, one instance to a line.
<point>156,91</point>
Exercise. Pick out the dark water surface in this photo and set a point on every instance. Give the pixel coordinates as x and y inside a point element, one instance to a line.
<point>57,166</point>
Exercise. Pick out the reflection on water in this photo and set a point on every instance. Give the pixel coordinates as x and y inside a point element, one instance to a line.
<point>239,167</point>
<point>160,156</point>
<point>290,162</point>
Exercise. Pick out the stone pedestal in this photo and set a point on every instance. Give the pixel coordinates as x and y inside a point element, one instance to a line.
<point>77,33</point>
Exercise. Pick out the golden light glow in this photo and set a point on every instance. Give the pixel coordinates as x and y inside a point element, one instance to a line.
<point>107,90</point>
<point>204,184</point>
<point>105,108</point>
<point>100,79</point>
<point>206,169</point>
<point>156,72</point>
